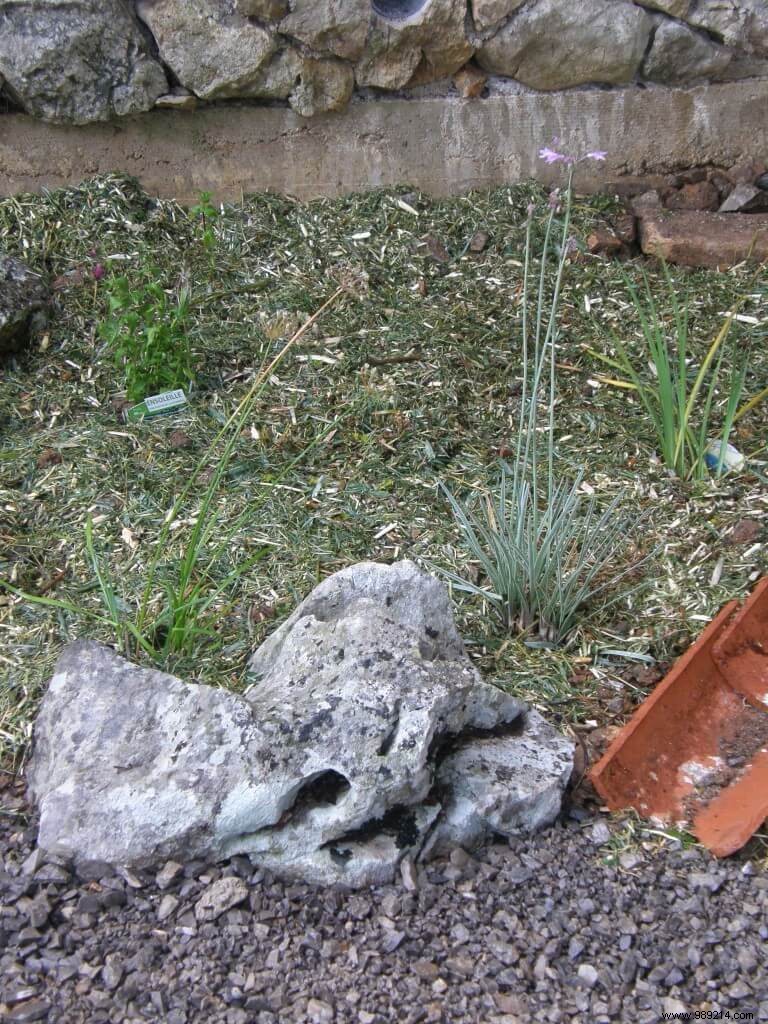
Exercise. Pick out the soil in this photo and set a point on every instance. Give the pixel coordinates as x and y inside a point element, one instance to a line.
<point>569,925</point>
<point>737,747</point>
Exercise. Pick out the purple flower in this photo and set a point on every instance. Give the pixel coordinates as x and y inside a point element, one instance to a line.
<point>552,157</point>
<point>98,271</point>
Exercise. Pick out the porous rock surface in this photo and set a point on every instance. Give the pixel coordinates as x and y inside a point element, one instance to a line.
<point>23,300</point>
<point>367,737</point>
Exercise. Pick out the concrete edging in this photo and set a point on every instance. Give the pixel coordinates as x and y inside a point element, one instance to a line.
<point>441,144</point>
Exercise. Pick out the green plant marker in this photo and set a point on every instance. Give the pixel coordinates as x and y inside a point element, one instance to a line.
<point>156,405</point>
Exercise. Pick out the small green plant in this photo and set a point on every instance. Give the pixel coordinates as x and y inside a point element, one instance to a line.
<point>146,329</point>
<point>681,401</point>
<point>172,616</point>
<point>542,544</point>
<point>207,214</point>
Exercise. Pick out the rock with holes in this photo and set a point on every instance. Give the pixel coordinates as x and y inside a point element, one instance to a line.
<point>366,736</point>
<point>24,301</point>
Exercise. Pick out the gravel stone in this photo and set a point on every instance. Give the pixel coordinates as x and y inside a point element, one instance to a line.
<point>34,1009</point>
<point>739,990</point>
<point>587,975</point>
<point>480,948</point>
<point>93,870</point>
<point>112,972</point>
<point>89,903</point>
<point>167,906</point>
<point>600,833</point>
<point>219,897</point>
<point>168,874</point>
<point>319,1012</point>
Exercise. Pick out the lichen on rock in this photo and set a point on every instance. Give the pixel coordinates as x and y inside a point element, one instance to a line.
<point>77,62</point>
<point>367,736</point>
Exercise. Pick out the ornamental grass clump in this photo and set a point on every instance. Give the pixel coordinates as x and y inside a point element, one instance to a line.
<point>692,409</point>
<point>543,544</point>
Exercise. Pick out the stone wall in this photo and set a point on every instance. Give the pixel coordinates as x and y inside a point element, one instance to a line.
<point>319,98</point>
<point>80,62</point>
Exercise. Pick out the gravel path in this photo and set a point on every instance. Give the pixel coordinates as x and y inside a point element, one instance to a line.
<point>541,930</point>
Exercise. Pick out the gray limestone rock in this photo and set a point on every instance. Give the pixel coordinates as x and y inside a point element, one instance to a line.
<point>674,8</point>
<point>678,55</point>
<point>323,85</point>
<point>415,600</point>
<point>410,44</point>
<point>337,27</point>
<point>23,303</point>
<point>214,51</point>
<point>557,44</point>
<point>367,737</point>
<point>489,14</point>
<point>77,61</point>
<point>742,24</point>
<point>497,786</point>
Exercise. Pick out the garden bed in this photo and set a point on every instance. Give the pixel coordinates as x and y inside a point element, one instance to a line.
<point>414,380</point>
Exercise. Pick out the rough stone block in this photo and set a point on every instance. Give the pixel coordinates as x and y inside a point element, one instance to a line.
<point>367,737</point>
<point>557,45</point>
<point>705,239</point>
<point>77,61</point>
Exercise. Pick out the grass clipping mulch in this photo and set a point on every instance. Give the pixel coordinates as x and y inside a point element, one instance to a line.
<point>416,381</point>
